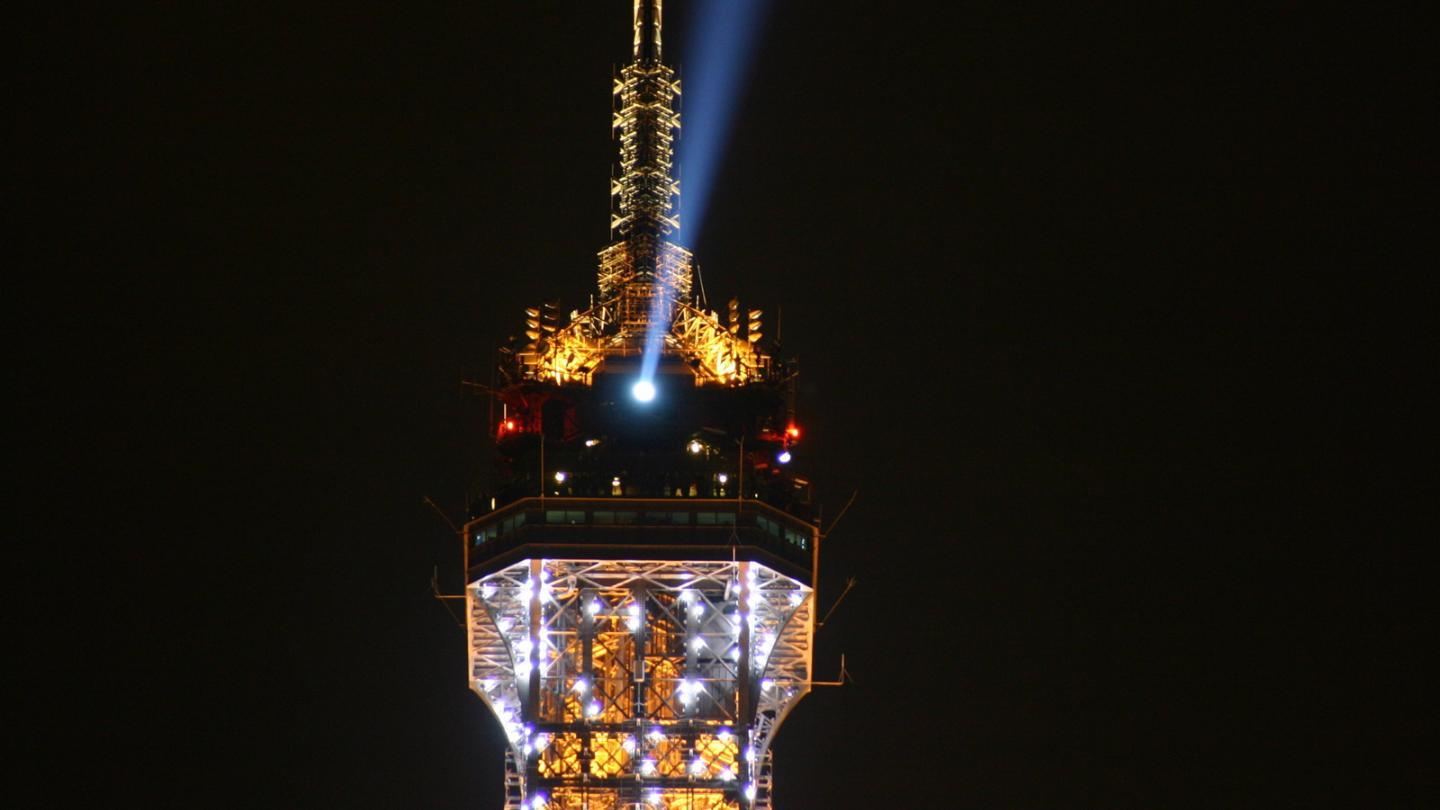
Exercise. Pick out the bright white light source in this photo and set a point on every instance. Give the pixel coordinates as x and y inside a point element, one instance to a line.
<point>591,442</point>
<point>727,775</point>
<point>784,457</point>
<point>697,610</point>
<point>593,608</point>
<point>647,767</point>
<point>750,792</point>
<point>688,688</point>
<point>697,644</point>
<point>695,447</point>
<point>487,590</point>
<point>538,803</point>
<point>796,597</point>
<point>643,391</point>
<point>541,740</point>
<point>581,686</point>
<point>722,478</point>
<point>559,476</point>
<point>628,744</point>
<point>767,684</point>
<point>697,766</point>
<point>656,735</point>
<point>593,710</point>
<point>724,735</point>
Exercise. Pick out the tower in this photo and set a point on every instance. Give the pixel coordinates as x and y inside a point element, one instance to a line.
<point>640,588</point>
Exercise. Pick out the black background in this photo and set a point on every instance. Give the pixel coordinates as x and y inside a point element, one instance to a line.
<point>1096,309</point>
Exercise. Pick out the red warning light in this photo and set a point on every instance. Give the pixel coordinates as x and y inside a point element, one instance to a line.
<point>793,432</point>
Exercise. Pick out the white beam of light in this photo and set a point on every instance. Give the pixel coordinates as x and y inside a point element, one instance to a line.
<point>719,40</point>
<point>644,390</point>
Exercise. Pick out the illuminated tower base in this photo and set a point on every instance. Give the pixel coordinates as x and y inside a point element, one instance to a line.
<point>640,683</point>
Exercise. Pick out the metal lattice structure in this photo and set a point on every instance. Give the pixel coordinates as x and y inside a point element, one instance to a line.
<point>644,277</point>
<point>635,683</point>
<point>640,593</point>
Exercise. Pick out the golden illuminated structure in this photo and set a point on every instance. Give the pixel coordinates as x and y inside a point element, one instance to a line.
<point>640,587</point>
<point>645,280</point>
<point>638,683</point>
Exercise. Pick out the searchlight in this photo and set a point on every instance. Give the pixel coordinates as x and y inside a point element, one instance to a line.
<point>644,391</point>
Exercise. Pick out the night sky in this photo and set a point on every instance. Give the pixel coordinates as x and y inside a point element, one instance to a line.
<point>1088,304</point>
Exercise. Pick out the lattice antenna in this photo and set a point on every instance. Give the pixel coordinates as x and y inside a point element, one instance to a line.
<point>647,30</point>
<point>646,121</point>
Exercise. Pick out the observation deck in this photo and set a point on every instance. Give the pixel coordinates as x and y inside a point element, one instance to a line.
<point>641,528</point>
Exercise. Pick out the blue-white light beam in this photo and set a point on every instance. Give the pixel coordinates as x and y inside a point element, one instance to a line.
<point>719,45</point>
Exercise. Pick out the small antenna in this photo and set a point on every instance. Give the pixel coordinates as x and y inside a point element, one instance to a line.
<point>441,513</point>
<point>849,583</point>
<point>836,521</point>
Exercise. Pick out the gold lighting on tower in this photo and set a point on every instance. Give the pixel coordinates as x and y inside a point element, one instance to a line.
<point>640,586</point>
<point>645,279</point>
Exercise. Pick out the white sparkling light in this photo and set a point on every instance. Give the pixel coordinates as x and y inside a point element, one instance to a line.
<point>643,391</point>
